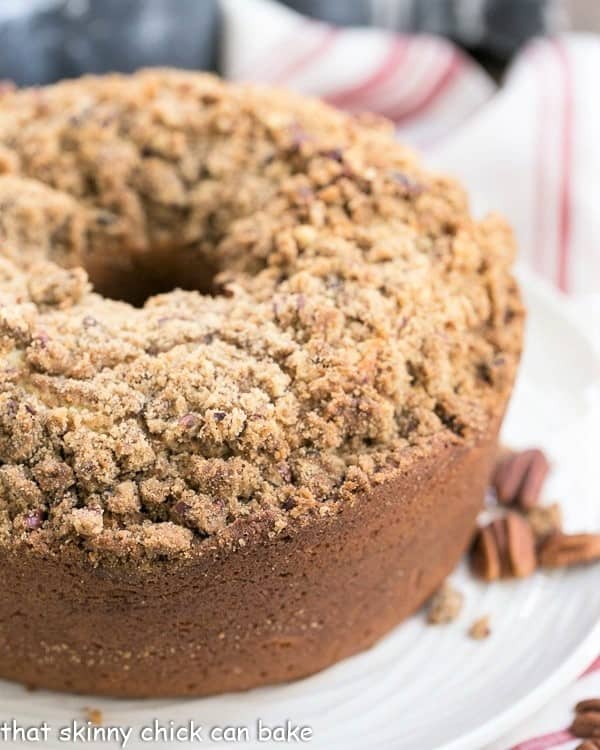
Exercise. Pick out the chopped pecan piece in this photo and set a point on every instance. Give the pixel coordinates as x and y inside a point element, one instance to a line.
<point>562,550</point>
<point>93,715</point>
<point>589,745</point>
<point>586,724</point>
<point>505,548</point>
<point>34,519</point>
<point>589,704</point>
<point>480,629</point>
<point>545,520</point>
<point>445,605</point>
<point>519,476</point>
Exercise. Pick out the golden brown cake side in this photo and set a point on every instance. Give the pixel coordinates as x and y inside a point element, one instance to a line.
<point>264,609</point>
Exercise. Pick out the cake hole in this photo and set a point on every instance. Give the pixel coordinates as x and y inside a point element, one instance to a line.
<point>134,277</point>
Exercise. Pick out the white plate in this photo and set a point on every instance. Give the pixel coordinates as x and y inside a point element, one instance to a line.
<point>424,687</point>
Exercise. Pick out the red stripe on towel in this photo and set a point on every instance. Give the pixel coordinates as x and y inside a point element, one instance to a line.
<point>353,94</point>
<point>452,70</point>
<point>594,667</point>
<point>323,44</point>
<point>546,741</point>
<point>566,155</point>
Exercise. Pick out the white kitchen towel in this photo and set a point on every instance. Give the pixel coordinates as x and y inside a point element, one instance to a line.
<point>529,148</point>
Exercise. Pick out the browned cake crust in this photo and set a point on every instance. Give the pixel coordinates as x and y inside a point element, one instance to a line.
<point>269,610</point>
<point>205,492</point>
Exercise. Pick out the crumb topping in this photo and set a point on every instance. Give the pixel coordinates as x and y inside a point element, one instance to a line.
<point>221,302</point>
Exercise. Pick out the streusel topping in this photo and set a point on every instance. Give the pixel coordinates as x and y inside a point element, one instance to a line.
<point>339,306</point>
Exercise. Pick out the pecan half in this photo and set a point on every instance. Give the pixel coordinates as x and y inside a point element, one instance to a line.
<point>586,724</point>
<point>505,548</point>
<point>562,550</point>
<point>518,477</point>
<point>485,556</point>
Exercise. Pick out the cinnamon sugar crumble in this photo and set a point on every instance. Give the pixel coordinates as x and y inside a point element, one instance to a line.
<point>358,311</point>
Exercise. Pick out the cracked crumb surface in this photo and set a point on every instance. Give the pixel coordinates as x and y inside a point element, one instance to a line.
<point>357,311</point>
